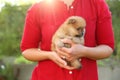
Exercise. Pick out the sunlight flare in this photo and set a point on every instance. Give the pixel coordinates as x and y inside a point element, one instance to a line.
<point>49,1</point>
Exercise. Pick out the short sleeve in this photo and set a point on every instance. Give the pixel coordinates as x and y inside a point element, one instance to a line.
<point>104,30</point>
<point>31,33</point>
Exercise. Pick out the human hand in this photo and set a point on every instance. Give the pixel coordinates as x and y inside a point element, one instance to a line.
<point>76,51</point>
<point>59,61</point>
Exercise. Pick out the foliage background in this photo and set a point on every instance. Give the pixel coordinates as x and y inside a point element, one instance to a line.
<point>11,25</point>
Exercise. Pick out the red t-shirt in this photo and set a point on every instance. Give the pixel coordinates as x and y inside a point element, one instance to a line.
<point>44,18</point>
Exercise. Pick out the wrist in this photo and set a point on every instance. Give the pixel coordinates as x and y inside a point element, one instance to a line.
<point>85,51</point>
<point>88,52</point>
<point>50,55</point>
<point>46,54</point>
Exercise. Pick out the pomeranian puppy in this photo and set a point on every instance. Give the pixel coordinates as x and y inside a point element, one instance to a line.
<point>73,28</point>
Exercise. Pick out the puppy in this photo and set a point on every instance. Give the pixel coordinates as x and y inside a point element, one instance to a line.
<point>73,28</point>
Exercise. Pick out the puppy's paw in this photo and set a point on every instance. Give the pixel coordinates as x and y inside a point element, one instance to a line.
<point>76,63</point>
<point>60,44</point>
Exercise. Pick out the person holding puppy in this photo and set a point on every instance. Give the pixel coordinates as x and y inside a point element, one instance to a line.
<point>45,17</point>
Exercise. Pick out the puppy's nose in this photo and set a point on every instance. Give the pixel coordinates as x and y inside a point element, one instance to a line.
<point>82,33</point>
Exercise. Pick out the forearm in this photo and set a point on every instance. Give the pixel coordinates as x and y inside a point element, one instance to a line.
<point>35,54</point>
<point>99,52</point>
<point>39,55</point>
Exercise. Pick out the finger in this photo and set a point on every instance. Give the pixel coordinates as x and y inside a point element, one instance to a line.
<point>63,64</point>
<point>62,53</point>
<point>68,41</point>
<point>66,50</point>
<point>70,59</point>
<point>60,61</point>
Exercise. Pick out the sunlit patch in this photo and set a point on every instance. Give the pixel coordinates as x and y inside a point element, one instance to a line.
<point>49,1</point>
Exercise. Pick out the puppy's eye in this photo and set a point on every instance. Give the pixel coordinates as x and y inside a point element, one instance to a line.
<point>78,28</point>
<point>77,35</point>
<point>80,35</point>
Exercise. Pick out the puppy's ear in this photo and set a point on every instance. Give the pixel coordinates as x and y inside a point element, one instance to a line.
<point>72,21</point>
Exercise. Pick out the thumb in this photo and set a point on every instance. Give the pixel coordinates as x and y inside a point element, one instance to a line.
<point>61,61</point>
<point>67,41</point>
<point>66,50</point>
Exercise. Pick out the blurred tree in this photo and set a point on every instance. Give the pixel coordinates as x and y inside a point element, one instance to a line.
<point>115,9</point>
<point>11,25</point>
